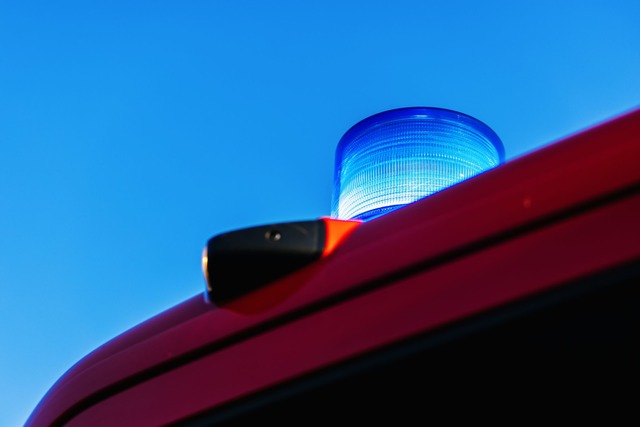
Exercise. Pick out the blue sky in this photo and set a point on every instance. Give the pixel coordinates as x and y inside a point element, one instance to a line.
<point>131,132</point>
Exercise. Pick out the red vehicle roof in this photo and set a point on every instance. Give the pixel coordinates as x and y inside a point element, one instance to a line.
<point>562,213</point>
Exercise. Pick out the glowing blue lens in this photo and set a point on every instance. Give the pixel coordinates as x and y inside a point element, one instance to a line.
<point>399,156</point>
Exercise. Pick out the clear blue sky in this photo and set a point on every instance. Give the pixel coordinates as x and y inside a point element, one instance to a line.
<point>132,131</point>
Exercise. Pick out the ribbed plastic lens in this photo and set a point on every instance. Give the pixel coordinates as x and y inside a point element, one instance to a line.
<point>399,156</point>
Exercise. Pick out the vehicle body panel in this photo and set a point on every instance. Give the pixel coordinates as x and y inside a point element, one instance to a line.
<point>564,212</point>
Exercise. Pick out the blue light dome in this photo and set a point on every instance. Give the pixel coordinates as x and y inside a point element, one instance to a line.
<point>396,157</point>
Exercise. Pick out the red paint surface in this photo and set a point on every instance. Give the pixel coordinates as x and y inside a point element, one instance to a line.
<point>336,232</point>
<point>567,251</point>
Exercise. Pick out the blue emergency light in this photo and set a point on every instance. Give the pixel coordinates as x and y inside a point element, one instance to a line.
<point>396,157</point>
